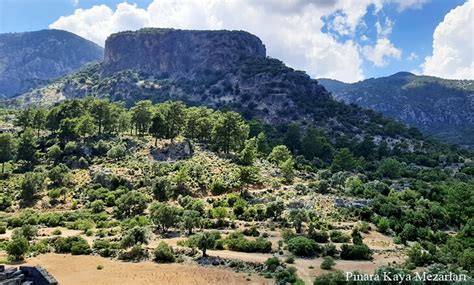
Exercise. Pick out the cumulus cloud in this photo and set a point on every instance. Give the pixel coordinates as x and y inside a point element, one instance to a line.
<point>292,30</point>
<point>382,50</point>
<point>453,46</point>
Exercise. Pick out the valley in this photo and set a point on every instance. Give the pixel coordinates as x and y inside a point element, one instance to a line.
<point>151,168</point>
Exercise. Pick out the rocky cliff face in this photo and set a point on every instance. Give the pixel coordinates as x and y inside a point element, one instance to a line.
<point>444,108</point>
<point>168,52</point>
<point>28,60</point>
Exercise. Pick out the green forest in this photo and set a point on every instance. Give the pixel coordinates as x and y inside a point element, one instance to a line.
<point>128,180</point>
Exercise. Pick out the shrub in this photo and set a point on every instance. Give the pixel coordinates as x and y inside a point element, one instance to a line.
<point>383,225</point>
<point>417,256</point>
<point>40,247</point>
<point>32,184</point>
<point>97,206</point>
<point>135,236</point>
<point>356,252</point>
<point>327,263</point>
<point>136,253</point>
<point>26,231</point>
<point>17,248</point>
<point>75,245</point>
<point>164,253</point>
<point>272,263</point>
<point>60,175</point>
<point>218,187</point>
<point>252,231</point>
<point>363,227</point>
<point>116,152</point>
<point>338,236</point>
<point>3,227</point>
<point>319,236</point>
<point>356,236</point>
<point>105,248</point>
<point>330,278</point>
<point>237,242</point>
<point>329,249</point>
<point>286,276</point>
<point>303,246</point>
<point>290,259</point>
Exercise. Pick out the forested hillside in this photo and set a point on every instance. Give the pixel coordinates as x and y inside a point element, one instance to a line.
<point>439,107</point>
<point>234,162</point>
<point>130,181</point>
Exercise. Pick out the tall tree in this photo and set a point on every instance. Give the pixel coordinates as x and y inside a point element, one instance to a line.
<point>27,147</point>
<point>124,119</point>
<point>24,118</point>
<point>100,110</point>
<point>7,149</point>
<point>175,118</point>
<point>230,131</point>
<point>249,153</point>
<point>141,116</point>
<point>85,125</point>
<point>158,126</point>
<point>344,160</point>
<point>316,144</point>
<point>293,137</point>
<point>39,120</point>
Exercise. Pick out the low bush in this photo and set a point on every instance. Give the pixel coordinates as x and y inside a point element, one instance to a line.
<point>164,253</point>
<point>237,242</point>
<point>303,246</point>
<point>327,263</point>
<point>356,252</point>
<point>74,245</point>
<point>339,237</point>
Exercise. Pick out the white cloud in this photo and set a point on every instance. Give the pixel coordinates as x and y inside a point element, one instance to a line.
<point>384,29</point>
<point>382,50</point>
<point>407,4</point>
<point>291,30</point>
<point>453,45</point>
<point>75,3</point>
<point>412,56</point>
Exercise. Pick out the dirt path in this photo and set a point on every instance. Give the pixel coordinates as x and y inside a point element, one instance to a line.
<point>308,269</point>
<point>72,270</point>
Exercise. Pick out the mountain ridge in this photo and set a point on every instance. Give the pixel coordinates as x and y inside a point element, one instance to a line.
<point>256,86</point>
<point>31,59</point>
<point>440,107</point>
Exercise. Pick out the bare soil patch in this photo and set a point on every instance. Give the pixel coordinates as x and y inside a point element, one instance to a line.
<point>82,269</point>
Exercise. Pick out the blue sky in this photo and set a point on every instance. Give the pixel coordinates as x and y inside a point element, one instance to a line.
<point>331,38</point>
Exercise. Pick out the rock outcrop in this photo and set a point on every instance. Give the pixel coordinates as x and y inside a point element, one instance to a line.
<point>169,52</point>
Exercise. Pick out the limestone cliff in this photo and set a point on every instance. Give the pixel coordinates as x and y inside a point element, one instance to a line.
<point>177,52</point>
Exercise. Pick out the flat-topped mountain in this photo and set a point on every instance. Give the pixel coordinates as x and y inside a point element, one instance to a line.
<point>441,107</point>
<point>28,60</point>
<point>178,52</point>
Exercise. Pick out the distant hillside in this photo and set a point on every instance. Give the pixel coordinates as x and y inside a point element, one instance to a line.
<point>225,70</point>
<point>440,107</point>
<point>28,60</point>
